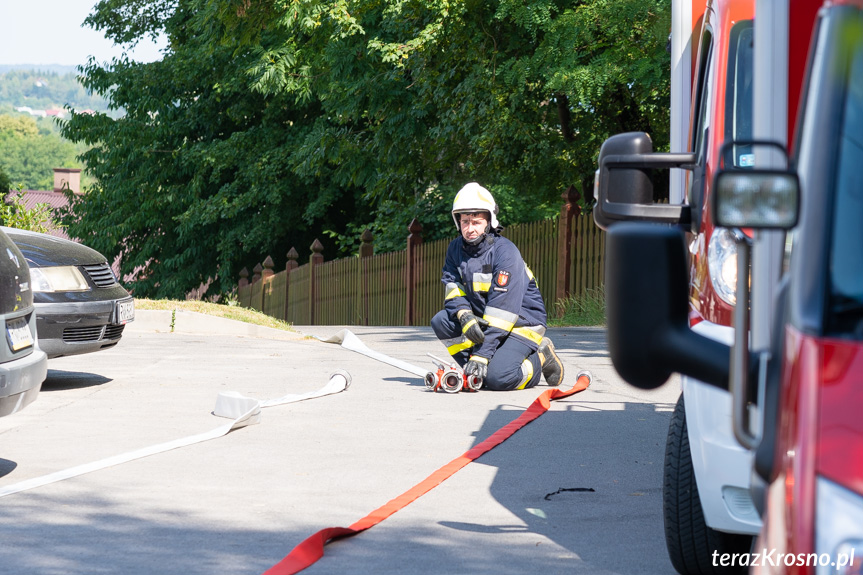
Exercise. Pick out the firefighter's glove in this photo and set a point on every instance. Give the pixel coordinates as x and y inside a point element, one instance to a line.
<point>477,366</point>
<point>471,326</point>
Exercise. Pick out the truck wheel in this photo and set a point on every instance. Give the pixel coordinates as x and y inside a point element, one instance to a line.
<point>691,543</point>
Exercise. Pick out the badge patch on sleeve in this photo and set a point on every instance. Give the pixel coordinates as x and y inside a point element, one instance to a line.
<point>502,278</point>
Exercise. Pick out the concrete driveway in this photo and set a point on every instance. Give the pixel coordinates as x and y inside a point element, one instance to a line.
<point>577,491</point>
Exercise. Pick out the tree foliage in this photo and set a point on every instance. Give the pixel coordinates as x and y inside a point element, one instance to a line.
<point>268,124</point>
<point>14,214</point>
<point>5,183</point>
<point>30,150</point>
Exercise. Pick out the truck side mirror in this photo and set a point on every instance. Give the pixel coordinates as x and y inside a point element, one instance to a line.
<point>756,199</point>
<point>625,185</point>
<point>622,186</point>
<point>647,291</point>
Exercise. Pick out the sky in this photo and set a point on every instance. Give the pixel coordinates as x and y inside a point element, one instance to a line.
<point>44,32</point>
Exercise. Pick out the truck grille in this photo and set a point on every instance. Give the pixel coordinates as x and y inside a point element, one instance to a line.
<point>92,333</point>
<point>101,275</point>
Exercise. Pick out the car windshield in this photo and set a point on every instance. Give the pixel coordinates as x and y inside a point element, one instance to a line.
<point>846,251</point>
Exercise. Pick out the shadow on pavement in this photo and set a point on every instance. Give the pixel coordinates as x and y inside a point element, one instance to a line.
<point>135,546</point>
<point>596,472</point>
<point>588,341</point>
<point>413,380</point>
<point>6,467</point>
<point>584,478</point>
<point>59,380</point>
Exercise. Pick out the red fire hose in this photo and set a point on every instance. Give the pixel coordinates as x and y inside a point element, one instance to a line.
<point>312,549</point>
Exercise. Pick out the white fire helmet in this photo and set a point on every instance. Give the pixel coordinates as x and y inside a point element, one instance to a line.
<point>474,198</point>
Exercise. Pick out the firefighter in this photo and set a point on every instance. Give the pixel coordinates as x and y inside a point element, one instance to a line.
<point>493,321</point>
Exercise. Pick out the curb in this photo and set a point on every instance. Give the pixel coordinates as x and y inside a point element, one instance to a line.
<point>159,321</point>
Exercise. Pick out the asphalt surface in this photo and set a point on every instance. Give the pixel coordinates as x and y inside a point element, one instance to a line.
<point>576,491</point>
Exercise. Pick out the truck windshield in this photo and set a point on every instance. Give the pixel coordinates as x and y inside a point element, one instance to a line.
<point>846,251</point>
<point>738,95</point>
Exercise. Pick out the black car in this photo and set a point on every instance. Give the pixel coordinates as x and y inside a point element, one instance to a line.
<point>23,366</point>
<point>80,306</point>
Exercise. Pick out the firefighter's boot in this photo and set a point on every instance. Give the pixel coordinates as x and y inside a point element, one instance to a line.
<point>552,367</point>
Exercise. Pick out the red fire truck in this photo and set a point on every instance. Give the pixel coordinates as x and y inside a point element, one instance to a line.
<point>784,381</point>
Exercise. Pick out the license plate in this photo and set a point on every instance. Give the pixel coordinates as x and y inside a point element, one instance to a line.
<point>18,334</point>
<point>124,311</point>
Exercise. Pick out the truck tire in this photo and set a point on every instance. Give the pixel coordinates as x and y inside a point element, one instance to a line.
<point>691,543</point>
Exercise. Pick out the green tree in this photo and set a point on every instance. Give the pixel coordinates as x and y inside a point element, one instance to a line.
<point>269,124</point>
<point>5,184</point>
<point>29,153</point>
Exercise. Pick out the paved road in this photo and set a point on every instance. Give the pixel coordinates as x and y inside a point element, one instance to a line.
<point>577,491</point>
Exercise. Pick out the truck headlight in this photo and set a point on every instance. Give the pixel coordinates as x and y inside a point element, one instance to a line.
<point>838,529</point>
<point>58,278</point>
<point>722,264</point>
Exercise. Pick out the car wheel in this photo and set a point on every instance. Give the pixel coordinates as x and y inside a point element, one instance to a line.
<point>691,543</point>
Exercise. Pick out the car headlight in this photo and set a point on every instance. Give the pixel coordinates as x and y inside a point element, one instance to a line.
<point>838,529</point>
<point>722,264</point>
<point>59,278</point>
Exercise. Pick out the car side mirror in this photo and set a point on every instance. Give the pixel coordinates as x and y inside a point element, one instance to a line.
<point>622,185</point>
<point>647,299</point>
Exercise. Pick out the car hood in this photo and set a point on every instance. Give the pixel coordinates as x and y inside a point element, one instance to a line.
<point>15,292</point>
<point>42,250</point>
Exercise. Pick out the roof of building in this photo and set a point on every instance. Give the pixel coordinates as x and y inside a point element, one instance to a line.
<point>55,200</point>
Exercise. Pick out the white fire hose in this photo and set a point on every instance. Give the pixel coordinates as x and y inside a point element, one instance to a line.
<point>243,410</point>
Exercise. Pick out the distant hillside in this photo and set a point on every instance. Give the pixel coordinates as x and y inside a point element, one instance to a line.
<point>54,68</point>
<point>48,87</point>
